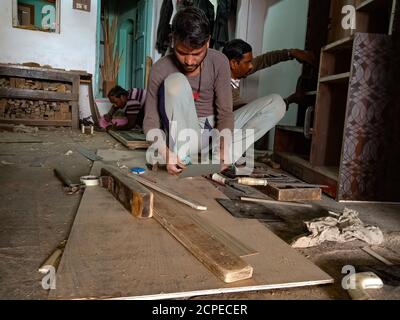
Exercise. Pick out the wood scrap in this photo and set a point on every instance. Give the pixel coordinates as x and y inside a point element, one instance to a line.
<point>54,259</point>
<point>137,199</point>
<point>292,204</point>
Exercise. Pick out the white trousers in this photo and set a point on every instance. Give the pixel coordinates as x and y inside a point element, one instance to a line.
<point>252,121</point>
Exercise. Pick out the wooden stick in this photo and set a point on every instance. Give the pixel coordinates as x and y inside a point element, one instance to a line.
<point>377,256</point>
<point>293,204</point>
<point>172,195</point>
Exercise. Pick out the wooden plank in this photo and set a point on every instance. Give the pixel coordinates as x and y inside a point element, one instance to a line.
<point>130,139</point>
<point>37,73</point>
<point>33,122</point>
<point>291,194</point>
<point>137,199</point>
<point>217,257</point>
<point>111,255</point>
<point>178,197</point>
<point>305,171</point>
<point>15,93</point>
<point>234,245</point>
<point>291,204</point>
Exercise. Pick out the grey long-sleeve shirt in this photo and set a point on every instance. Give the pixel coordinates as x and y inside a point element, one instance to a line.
<point>215,92</point>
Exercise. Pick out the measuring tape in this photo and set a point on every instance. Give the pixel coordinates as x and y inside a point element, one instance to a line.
<point>90,181</point>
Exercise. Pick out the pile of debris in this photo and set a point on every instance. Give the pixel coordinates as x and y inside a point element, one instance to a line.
<point>21,83</point>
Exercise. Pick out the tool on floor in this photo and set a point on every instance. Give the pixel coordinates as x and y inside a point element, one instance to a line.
<point>361,282</point>
<point>252,181</point>
<point>196,170</point>
<point>228,182</point>
<point>90,181</point>
<point>69,187</point>
<point>54,259</point>
<point>388,271</point>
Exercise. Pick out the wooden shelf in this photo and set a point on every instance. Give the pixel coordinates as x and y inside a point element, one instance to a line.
<point>38,73</point>
<point>342,44</point>
<point>37,122</point>
<point>14,93</point>
<point>301,168</point>
<point>337,78</point>
<point>291,128</point>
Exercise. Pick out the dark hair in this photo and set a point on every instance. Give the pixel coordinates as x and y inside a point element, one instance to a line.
<point>191,26</point>
<point>117,92</point>
<point>236,48</point>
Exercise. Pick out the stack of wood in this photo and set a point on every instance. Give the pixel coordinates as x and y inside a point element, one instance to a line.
<point>21,83</point>
<point>38,110</point>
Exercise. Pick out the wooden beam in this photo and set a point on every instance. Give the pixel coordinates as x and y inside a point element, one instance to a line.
<point>37,73</point>
<point>217,257</point>
<point>137,199</point>
<point>15,93</point>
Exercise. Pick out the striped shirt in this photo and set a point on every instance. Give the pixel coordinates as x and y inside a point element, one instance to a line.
<point>135,101</point>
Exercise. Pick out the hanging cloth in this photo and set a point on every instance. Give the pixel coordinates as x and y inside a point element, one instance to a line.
<point>164,27</point>
<point>220,33</point>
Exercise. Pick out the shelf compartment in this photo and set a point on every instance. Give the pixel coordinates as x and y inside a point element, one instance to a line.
<point>330,111</point>
<point>336,78</point>
<point>343,44</point>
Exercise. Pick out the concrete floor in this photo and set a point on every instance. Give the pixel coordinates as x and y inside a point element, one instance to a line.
<point>35,216</point>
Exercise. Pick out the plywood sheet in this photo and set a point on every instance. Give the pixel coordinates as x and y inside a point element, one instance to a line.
<point>110,254</point>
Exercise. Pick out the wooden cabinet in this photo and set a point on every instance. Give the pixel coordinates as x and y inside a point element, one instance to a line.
<point>342,139</point>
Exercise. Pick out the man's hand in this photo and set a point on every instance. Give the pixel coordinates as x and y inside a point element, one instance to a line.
<point>107,117</point>
<point>303,56</point>
<point>174,164</point>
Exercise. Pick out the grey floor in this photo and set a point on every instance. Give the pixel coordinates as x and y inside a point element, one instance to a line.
<point>35,216</point>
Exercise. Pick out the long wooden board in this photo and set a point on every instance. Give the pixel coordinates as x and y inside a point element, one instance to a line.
<point>110,254</point>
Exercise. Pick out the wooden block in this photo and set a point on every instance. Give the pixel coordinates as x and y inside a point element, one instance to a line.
<point>292,194</point>
<point>19,83</point>
<point>61,88</point>
<point>64,107</point>
<point>13,82</point>
<point>3,104</point>
<point>58,115</point>
<point>137,199</point>
<point>66,115</point>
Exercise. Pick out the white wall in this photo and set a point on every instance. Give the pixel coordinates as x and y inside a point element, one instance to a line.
<point>285,27</point>
<point>73,48</point>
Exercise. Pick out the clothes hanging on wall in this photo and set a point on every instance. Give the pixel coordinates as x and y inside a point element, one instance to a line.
<point>164,27</point>
<point>220,33</point>
<point>208,9</point>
